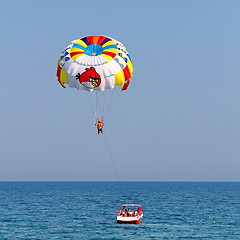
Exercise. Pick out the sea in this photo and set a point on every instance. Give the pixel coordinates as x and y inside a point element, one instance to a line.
<point>87,210</point>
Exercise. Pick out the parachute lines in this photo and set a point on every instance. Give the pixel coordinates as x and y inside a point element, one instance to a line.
<point>111,155</point>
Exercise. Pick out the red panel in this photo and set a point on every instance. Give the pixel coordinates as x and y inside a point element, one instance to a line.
<point>125,85</point>
<point>61,83</point>
<point>75,53</point>
<point>90,40</point>
<point>101,38</point>
<point>58,71</point>
<point>109,54</point>
<point>127,73</point>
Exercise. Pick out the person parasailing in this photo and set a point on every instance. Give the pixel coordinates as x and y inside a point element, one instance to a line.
<point>101,67</point>
<point>99,125</point>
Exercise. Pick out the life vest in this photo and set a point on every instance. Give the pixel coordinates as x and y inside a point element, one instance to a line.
<point>100,125</point>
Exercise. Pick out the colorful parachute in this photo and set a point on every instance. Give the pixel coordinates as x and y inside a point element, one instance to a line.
<point>95,63</point>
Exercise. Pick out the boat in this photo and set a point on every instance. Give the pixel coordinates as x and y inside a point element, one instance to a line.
<point>130,213</point>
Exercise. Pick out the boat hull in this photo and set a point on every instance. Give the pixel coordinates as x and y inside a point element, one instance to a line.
<point>129,220</point>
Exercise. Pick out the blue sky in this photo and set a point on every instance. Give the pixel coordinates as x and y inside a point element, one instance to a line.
<point>178,121</point>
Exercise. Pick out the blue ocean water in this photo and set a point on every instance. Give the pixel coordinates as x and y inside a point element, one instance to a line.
<point>87,210</point>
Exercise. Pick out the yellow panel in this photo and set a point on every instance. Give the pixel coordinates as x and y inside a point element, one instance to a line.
<point>130,66</point>
<point>119,78</point>
<point>82,43</point>
<point>107,57</point>
<point>59,60</point>
<point>76,50</point>
<point>108,43</point>
<point>63,76</point>
<point>113,50</point>
<point>76,56</point>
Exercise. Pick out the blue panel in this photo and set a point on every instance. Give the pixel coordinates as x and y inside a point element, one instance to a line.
<point>110,46</point>
<point>78,46</point>
<point>93,50</point>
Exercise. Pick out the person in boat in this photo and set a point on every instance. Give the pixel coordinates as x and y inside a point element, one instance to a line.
<point>124,212</point>
<point>99,125</point>
<point>130,213</point>
<point>135,213</point>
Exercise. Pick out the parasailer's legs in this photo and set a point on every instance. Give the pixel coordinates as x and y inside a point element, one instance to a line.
<point>100,131</point>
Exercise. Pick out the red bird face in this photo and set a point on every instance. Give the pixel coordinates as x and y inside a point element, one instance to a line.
<point>90,78</point>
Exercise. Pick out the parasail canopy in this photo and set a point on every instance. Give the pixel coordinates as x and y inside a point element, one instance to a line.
<point>95,63</point>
